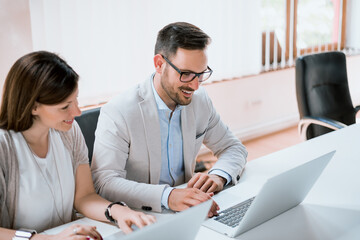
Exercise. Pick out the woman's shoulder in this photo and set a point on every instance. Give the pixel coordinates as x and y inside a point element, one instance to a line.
<point>6,145</point>
<point>4,132</point>
<point>71,135</point>
<point>75,143</point>
<point>5,137</point>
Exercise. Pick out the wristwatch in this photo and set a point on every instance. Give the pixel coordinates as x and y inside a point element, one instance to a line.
<point>108,213</point>
<point>24,234</point>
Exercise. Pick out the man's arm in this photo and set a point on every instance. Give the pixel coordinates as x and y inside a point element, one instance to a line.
<point>231,154</point>
<point>111,153</point>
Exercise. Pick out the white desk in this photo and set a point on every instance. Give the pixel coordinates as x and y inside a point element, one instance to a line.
<point>332,208</point>
<point>330,211</point>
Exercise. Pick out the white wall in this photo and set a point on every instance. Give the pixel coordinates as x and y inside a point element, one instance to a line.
<point>257,105</point>
<point>353,24</point>
<point>112,42</point>
<point>15,34</point>
<point>251,106</point>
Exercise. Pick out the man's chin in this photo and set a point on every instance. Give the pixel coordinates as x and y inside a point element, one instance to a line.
<point>184,103</point>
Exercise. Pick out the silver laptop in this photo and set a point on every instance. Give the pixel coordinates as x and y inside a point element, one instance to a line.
<point>180,226</point>
<point>278,194</point>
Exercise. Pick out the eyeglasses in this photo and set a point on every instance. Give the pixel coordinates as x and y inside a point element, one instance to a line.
<point>186,77</point>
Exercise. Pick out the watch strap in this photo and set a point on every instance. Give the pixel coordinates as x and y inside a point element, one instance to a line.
<point>108,211</point>
<point>23,234</point>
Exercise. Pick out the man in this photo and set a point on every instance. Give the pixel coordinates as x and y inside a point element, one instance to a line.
<point>147,138</point>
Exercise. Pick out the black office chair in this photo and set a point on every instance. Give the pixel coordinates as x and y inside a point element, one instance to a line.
<point>323,94</point>
<point>88,122</point>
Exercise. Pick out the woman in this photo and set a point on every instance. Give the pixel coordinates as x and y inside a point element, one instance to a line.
<point>44,168</point>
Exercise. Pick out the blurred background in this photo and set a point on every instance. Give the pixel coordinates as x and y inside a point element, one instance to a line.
<point>110,43</point>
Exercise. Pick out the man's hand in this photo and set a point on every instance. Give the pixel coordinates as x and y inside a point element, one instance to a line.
<point>182,199</point>
<point>207,182</point>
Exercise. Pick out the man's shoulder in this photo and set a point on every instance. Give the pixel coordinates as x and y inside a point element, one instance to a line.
<point>126,95</point>
<point>201,93</point>
<point>129,103</point>
<point>125,99</point>
<point>200,98</point>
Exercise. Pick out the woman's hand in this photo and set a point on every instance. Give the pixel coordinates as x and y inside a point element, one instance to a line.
<point>77,232</point>
<point>126,217</point>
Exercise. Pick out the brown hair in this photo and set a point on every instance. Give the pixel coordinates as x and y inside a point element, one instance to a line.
<point>180,35</point>
<point>41,77</point>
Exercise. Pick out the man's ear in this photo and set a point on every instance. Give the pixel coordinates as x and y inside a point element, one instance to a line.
<point>158,63</point>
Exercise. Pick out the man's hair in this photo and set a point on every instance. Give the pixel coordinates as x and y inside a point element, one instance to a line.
<point>180,35</point>
<point>38,77</point>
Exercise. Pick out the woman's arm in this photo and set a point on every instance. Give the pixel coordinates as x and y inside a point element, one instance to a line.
<point>91,205</point>
<point>67,234</point>
<point>6,233</point>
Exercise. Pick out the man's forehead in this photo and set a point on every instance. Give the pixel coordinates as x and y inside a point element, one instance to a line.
<point>192,60</point>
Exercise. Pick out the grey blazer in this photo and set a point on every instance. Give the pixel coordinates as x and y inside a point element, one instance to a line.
<point>127,151</point>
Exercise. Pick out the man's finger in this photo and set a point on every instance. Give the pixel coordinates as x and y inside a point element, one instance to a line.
<point>212,188</point>
<point>214,207</point>
<point>193,180</point>
<point>207,185</point>
<point>193,201</point>
<point>201,181</point>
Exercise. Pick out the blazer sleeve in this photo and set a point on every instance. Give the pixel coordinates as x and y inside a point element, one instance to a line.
<point>111,153</point>
<point>229,150</point>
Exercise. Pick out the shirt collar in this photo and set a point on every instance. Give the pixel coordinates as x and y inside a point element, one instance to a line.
<point>159,102</point>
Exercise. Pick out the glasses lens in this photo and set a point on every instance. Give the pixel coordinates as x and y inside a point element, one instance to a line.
<point>187,76</point>
<point>205,76</point>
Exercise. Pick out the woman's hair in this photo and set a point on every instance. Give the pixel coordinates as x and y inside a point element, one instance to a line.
<point>38,77</point>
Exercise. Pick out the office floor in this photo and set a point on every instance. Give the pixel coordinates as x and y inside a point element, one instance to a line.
<point>263,145</point>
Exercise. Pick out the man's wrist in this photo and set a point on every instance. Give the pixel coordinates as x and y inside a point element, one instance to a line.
<point>222,174</point>
<point>222,179</point>
<point>165,197</point>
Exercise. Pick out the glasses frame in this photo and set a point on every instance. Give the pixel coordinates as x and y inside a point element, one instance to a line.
<point>196,74</point>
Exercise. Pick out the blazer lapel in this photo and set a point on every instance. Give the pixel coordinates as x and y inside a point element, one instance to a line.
<point>189,135</point>
<point>151,123</point>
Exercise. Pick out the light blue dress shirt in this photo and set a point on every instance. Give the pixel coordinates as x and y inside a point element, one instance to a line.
<point>172,157</point>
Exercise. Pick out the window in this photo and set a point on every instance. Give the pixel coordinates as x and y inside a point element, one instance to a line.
<point>292,28</point>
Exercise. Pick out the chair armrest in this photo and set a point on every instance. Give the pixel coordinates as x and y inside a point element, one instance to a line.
<point>305,122</point>
<point>357,108</point>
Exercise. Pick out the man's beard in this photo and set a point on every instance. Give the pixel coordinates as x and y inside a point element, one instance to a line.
<point>173,94</point>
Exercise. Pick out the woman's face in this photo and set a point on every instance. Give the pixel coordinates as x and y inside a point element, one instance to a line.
<point>59,116</point>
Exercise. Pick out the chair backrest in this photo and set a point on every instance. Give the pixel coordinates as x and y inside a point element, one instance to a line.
<point>322,90</point>
<point>88,122</point>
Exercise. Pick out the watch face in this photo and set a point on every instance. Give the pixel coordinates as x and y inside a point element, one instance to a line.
<point>25,233</point>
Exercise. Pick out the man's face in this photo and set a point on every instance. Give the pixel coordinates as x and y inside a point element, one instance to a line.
<point>173,91</point>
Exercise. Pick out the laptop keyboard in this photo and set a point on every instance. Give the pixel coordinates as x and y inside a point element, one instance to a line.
<point>232,216</point>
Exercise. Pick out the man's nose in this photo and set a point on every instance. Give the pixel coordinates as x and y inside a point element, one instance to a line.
<point>194,84</point>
